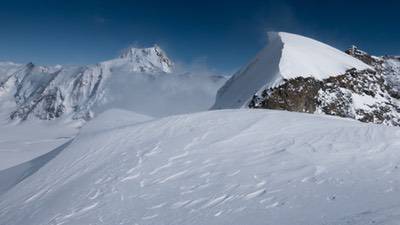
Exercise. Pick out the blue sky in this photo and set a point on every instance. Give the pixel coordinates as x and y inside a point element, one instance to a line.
<point>222,34</point>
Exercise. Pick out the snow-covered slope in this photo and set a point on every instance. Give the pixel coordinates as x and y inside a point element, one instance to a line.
<point>286,56</point>
<point>23,142</point>
<point>141,79</point>
<point>218,167</point>
<point>302,56</point>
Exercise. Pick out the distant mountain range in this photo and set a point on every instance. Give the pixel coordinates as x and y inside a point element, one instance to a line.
<point>292,72</point>
<point>140,79</point>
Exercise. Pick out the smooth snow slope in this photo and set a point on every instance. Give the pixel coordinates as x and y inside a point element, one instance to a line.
<point>286,56</point>
<point>218,167</point>
<point>14,175</point>
<point>21,143</point>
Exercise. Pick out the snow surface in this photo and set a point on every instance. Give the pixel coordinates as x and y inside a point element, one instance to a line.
<point>302,56</point>
<point>218,167</point>
<point>286,56</point>
<point>114,118</point>
<point>20,143</point>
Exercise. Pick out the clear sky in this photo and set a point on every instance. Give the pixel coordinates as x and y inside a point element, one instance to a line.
<point>222,34</point>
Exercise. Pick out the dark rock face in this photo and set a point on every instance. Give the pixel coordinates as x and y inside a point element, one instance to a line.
<point>362,95</point>
<point>47,106</point>
<point>49,94</point>
<point>294,95</point>
<point>363,56</point>
<point>388,66</point>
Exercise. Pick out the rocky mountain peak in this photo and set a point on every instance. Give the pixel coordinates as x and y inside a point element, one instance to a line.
<point>362,87</point>
<point>363,56</point>
<point>143,59</point>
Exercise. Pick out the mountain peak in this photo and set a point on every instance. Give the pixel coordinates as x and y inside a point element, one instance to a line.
<point>143,58</point>
<point>287,56</point>
<point>363,56</point>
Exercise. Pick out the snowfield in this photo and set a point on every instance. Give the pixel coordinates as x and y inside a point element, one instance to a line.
<point>20,143</point>
<point>286,56</point>
<point>218,167</point>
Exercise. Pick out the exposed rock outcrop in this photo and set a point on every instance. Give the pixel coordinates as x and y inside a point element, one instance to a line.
<point>370,95</point>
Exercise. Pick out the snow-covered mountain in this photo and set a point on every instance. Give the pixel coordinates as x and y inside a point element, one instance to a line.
<point>141,80</point>
<point>296,73</point>
<point>145,60</point>
<point>218,167</point>
<point>242,166</point>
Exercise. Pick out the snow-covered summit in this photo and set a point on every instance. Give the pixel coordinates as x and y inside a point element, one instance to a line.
<point>152,59</point>
<point>302,56</point>
<point>286,56</point>
<point>299,74</point>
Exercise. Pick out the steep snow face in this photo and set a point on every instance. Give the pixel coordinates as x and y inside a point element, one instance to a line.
<point>261,71</point>
<point>140,80</point>
<point>286,56</point>
<point>219,167</point>
<point>305,57</point>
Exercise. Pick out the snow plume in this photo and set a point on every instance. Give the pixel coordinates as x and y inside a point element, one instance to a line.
<point>187,87</point>
<point>182,88</point>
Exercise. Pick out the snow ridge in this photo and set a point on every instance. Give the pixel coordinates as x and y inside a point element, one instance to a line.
<point>285,57</point>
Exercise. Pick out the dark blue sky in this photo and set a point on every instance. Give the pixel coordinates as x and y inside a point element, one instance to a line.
<point>222,34</point>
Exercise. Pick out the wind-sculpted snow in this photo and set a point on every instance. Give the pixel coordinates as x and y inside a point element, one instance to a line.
<point>14,175</point>
<point>218,167</point>
<point>20,143</point>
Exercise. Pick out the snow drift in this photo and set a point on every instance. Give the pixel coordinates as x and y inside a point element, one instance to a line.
<point>286,56</point>
<point>219,167</point>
